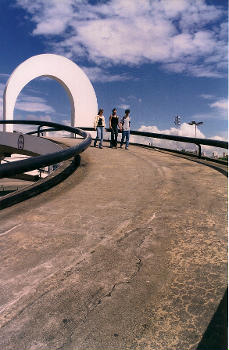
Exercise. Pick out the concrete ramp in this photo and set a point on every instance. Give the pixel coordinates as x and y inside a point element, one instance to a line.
<point>130,252</point>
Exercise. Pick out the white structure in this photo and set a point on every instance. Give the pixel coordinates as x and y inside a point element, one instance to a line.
<point>81,93</point>
<point>27,144</point>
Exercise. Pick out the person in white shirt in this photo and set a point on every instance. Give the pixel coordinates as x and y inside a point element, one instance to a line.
<point>125,122</point>
<point>99,125</point>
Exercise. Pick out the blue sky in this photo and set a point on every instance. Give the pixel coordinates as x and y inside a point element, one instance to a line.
<point>159,58</point>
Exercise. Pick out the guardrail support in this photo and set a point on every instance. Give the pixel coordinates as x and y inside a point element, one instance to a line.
<point>39,130</point>
<point>199,151</point>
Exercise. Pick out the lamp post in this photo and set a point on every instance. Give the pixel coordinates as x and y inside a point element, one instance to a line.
<point>177,121</point>
<point>193,122</point>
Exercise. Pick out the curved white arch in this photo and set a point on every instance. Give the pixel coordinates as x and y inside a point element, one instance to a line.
<point>82,95</point>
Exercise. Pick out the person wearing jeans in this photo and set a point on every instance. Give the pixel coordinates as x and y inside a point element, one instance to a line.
<point>113,124</point>
<point>99,125</point>
<point>125,122</point>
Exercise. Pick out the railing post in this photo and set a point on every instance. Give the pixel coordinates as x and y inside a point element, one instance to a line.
<point>39,130</point>
<point>199,151</point>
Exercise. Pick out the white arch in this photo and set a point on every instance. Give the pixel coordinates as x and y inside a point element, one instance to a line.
<point>82,95</point>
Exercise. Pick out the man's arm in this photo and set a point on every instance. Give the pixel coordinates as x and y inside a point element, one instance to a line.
<point>95,122</point>
<point>121,124</point>
<point>110,121</point>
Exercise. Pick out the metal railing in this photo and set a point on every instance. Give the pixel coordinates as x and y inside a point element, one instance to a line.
<point>18,167</point>
<point>50,159</point>
<point>196,141</point>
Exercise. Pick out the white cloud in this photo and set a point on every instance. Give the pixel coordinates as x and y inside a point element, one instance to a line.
<point>4,76</point>
<point>100,75</point>
<point>33,104</point>
<point>43,117</point>
<point>27,128</point>
<point>184,130</point>
<point>129,99</point>
<point>27,103</point>
<point>184,36</point>
<point>66,122</point>
<point>220,104</point>
<point>124,106</point>
<point>2,87</point>
<point>219,109</point>
<point>207,96</point>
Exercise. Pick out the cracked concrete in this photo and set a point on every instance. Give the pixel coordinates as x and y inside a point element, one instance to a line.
<point>130,252</point>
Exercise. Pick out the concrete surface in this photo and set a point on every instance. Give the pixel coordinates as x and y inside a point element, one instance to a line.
<point>9,185</point>
<point>130,252</point>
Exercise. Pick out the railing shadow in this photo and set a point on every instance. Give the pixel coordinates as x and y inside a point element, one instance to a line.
<point>200,161</point>
<point>216,335</point>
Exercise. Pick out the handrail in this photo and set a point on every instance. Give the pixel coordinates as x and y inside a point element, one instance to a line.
<point>33,163</point>
<point>197,141</point>
<point>38,131</point>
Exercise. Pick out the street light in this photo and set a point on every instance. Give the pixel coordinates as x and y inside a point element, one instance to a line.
<point>177,121</point>
<point>193,122</point>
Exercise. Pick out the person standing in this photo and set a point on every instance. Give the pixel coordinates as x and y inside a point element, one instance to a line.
<point>125,122</point>
<point>113,124</point>
<point>99,125</point>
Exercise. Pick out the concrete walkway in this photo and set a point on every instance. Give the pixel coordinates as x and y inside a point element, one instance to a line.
<point>129,252</point>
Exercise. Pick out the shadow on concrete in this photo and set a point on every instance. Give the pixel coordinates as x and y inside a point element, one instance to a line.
<point>4,193</point>
<point>220,167</point>
<point>216,335</point>
<point>215,167</point>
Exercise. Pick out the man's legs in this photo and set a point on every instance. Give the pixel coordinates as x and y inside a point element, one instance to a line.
<point>97,137</point>
<point>101,137</point>
<point>116,137</point>
<point>127,138</point>
<point>123,137</point>
<point>112,137</point>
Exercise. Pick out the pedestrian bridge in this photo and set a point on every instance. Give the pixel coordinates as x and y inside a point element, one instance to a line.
<point>128,252</point>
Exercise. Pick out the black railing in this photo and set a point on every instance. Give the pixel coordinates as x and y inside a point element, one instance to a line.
<point>18,167</point>
<point>77,131</point>
<point>196,141</point>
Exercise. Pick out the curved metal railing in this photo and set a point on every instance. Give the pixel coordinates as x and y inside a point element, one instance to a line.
<point>196,141</point>
<point>33,163</point>
<point>49,159</point>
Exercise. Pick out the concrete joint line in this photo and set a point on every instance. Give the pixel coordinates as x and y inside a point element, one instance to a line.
<point>11,229</point>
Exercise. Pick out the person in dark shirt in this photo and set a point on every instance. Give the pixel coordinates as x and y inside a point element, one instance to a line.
<point>113,124</point>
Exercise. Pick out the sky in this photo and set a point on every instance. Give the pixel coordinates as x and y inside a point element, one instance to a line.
<point>160,58</point>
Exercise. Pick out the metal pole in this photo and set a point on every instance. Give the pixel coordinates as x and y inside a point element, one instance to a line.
<point>39,130</point>
<point>199,152</point>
